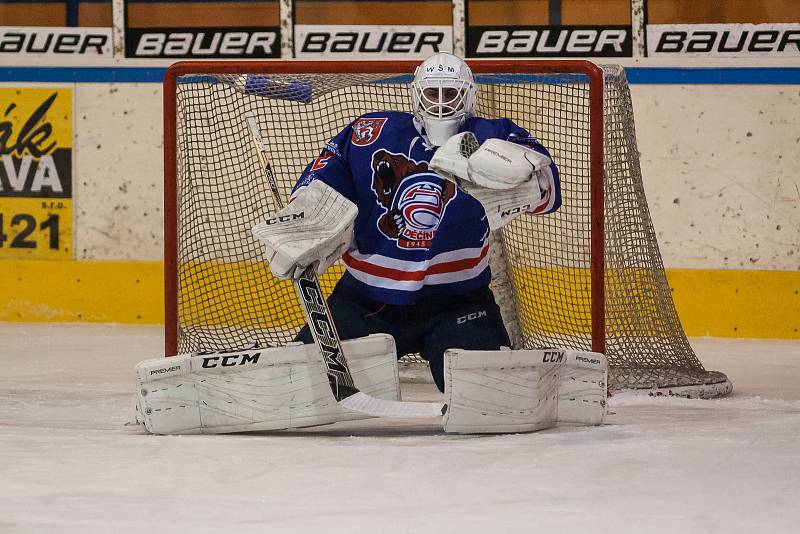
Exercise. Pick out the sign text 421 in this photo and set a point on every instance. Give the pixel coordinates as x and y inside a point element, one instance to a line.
<point>42,231</point>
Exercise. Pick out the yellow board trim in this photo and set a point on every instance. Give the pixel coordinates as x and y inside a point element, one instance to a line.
<point>82,291</point>
<point>754,304</point>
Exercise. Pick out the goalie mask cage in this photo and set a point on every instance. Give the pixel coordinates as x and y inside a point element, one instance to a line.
<point>588,277</point>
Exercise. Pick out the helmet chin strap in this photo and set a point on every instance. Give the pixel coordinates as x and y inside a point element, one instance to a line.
<point>439,131</point>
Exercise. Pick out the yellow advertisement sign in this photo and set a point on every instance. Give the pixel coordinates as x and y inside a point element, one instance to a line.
<point>36,173</point>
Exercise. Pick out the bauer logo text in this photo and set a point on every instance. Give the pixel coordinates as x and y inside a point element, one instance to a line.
<point>202,43</point>
<point>730,40</point>
<point>370,42</point>
<point>55,41</point>
<point>549,41</point>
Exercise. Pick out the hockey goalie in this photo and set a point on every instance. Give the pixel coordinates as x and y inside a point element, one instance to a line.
<point>407,201</point>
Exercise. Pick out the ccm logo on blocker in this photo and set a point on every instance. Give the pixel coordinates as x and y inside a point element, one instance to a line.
<point>285,218</point>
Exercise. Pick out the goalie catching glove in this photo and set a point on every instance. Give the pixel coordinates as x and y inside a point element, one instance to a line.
<point>506,178</point>
<point>316,228</point>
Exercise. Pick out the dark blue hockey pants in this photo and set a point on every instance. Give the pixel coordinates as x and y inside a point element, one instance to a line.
<point>471,321</point>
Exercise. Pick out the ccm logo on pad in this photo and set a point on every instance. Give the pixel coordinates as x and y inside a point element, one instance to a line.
<point>231,360</point>
<point>553,356</point>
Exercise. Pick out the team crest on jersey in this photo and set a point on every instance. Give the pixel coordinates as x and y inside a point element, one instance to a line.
<point>366,131</point>
<point>413,197</point>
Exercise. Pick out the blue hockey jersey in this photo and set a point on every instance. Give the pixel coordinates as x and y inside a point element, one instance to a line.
<point>416,234</point>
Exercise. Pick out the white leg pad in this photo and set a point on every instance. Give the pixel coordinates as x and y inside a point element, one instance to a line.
<point>258,389</point>
<point>583,388</point>
<point>522,390</point>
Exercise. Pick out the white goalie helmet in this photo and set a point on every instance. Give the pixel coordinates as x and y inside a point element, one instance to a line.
<point>443,95</point>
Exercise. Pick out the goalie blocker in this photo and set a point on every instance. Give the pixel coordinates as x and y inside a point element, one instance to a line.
<point>277,388</point>
<point>315,229</point>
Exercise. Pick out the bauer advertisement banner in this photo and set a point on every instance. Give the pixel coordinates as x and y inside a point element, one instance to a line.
<point>36,173</point>
<point>723,40</point>
<point>184,29</point>
<point>370,42</point>
<point>539,29</point>
<point>549,41</point>
<point>66,43</point>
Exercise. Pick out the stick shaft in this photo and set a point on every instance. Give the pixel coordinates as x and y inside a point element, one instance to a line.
<point>318,314</point>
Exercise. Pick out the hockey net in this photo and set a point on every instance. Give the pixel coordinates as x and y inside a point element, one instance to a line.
<point>588,277</point>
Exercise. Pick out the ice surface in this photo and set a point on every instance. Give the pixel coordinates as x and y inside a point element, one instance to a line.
<point>69,463</point>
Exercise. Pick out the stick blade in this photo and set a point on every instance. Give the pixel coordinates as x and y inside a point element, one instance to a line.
<point>363,403</point>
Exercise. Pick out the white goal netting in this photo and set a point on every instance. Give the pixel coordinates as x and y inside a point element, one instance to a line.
<point>224,296</point>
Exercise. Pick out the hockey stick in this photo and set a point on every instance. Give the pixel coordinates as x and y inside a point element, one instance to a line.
<point>324,331</point>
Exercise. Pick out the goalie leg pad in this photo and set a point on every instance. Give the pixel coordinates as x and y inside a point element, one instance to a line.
<point>522,390</point>
<point>583,388</point>
<point>259,389</point>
